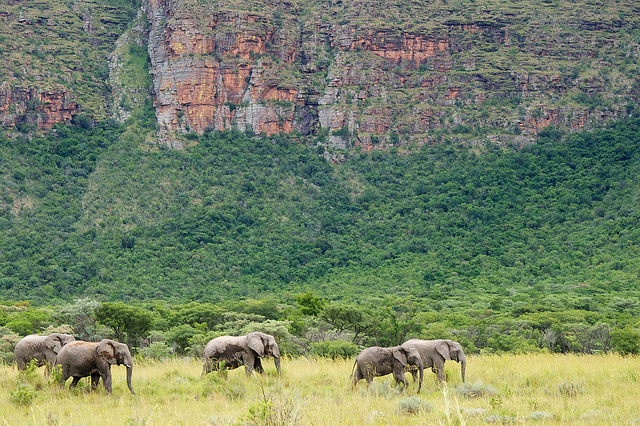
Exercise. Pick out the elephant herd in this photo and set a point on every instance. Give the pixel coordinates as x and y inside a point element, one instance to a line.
<point>414,355</point>
<point>76,358</point>
<point>80,359</point>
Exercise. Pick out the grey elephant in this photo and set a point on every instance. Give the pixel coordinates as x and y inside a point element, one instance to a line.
<point>376,361</point>
<point>233,351</point>
<point>435,352</point>
<point>82,359</point>
<point>42,349</point>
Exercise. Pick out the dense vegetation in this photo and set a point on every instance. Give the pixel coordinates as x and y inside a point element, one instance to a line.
<point>501,248</point>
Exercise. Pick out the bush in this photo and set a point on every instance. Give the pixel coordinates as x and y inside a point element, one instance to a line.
<point>626,341</point>
<point>570,390</point>
<point>156,351</point>
<point>8,341</point>
<point>475,390</point>
<point>23,395</point>
<point>413,405</point>
<point>334,349</point>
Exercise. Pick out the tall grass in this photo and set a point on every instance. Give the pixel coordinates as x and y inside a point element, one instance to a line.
<point>531,389</point>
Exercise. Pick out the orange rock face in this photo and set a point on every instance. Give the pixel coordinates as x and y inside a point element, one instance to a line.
<point>43,109</point>
<point>286,70</point>
<point>405,48</point>
<point>215,76</point>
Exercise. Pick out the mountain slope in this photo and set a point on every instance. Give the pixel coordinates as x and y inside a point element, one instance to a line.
<point>236,216</point>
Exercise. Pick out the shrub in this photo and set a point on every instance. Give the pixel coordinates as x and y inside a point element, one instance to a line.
<point>8,341</point>
<point>626,341</point>
<point>156,351</point>
<point>334,349</point>
<point>413,405</point>
<point>23,395</point>
<point>384,389</point>
<point>542,416</point>
<point>475,390</point>
<point>570,390</point>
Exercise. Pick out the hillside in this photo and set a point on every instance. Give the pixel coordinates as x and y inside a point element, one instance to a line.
<point>94,212</point>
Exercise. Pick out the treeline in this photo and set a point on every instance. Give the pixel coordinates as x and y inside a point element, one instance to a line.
<point>311,326</point>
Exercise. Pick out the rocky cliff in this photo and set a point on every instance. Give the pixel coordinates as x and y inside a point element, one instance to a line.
<point>366,72</point>
<point>349,72</point>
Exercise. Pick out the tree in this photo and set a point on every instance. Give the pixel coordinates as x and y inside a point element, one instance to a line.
<point>81,316</point>
<point>626,341</point>
<point>28,322</point>
<point>396,321</point>
<point>349,317</point>
<point>309,304</point>
<point>125,320</point>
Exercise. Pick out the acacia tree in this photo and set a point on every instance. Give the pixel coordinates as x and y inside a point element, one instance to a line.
<point>348,317</point>
<point>81,316</point>
<point>126,321</point>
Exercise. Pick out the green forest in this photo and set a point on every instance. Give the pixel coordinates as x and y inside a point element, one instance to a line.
<point>502,248</point>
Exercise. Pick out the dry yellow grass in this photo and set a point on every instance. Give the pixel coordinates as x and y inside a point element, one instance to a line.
<point>518,389</point>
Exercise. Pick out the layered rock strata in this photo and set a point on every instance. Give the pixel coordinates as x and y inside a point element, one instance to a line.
<point>323,70</point>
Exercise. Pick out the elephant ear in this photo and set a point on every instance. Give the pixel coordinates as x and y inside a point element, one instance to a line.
<point>443,349</point>
<point>106,350</point>
<point>53,342</point>
<point>400,355</point>
<point>255,342</point>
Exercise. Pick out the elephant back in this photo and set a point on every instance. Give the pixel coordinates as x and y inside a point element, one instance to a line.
<point>224,346</point>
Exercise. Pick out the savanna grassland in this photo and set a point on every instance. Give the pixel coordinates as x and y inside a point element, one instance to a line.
<point>520,389</point>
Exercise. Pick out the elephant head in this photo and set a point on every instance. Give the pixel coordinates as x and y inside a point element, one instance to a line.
<point>408,357</point>
<point>56,341</point>
<point>264,345</point>
<point>117,353</point>
<point>451,350</point>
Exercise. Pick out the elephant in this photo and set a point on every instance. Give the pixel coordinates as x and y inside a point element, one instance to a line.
<point>377,361</point>
<point>81,359</point>
<point>233,351</point>
<point>435,352</point>
<point>43,349</point>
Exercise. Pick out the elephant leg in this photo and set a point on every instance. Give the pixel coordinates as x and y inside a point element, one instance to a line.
<point>207,366</point>
<point>414,374</point>
<point>356,378</point>
<point>95,378</point>
<point>106,379</point>
<point>248,369</point>
<point>74,383</point>
<point>258,366</point>
<point>439,370</point>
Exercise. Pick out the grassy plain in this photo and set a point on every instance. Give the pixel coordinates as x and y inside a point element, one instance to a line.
<point>514,389</point>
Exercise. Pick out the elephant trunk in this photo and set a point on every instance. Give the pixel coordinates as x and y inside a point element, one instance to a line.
<point>276,360</point>
<point>421,376</point>
<point>463,366</point>
<point>129,371</point>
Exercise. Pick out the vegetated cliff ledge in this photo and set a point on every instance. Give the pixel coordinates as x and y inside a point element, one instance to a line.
<point>366,72</point>
<point>53,63</point>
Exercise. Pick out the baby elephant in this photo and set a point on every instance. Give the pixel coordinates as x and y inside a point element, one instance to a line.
<point>377,361</point>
